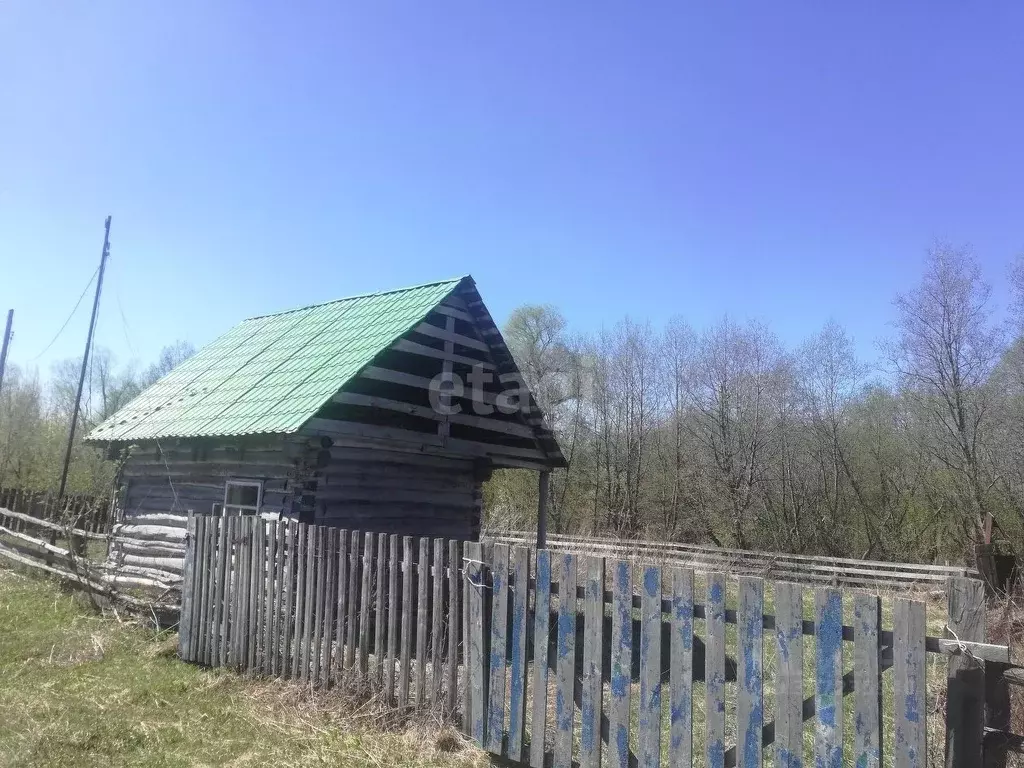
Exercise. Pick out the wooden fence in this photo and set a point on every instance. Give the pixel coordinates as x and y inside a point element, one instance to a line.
<point>551,659</point>
<point>88,513</point>
<point>834,571</point>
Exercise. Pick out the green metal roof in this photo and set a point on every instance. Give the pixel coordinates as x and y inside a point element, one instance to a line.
<point>271,374</point>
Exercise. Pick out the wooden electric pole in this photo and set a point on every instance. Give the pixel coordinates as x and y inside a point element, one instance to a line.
<point>85,358</point>
<point>6,345</point>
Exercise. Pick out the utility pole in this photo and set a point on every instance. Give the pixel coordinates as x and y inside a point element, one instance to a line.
<point>7,343</point>
<point>85,357</point>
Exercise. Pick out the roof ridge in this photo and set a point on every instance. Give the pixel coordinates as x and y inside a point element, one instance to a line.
<point>452,280</point>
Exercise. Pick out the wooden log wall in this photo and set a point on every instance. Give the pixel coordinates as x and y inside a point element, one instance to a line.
<point>394,492</point>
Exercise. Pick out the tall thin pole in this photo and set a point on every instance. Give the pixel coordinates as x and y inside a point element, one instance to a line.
<point>85,357</point>
<point>7,342</point>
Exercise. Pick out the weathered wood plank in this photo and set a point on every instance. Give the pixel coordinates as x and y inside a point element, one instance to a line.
<point>789,689</point>
<point>593,644</point>
<point>621,664</point>
<point>210,589</point>
<point>309,603</point>
<point>322,575</point>
<point>220,593</point>
<point>297,594</point>
<point>681,670</point>
<point>828,678</point>
<point>714,672</point>
<point>393,608</point>
<point>437,623</point>
<point>965,677</point>
<point>565,673</point>
<point>257,574</point>
<point>381,606</point>
<point>422,618</point>
<point>867,730</point>
<point>474,641</point>
<point>369,548</point>
<point>341,617</point>
<point>649,720</point>
<point>270,589</point>
<point>750,698</point>
<point>281,589</point>
<point>910,746</point>
<point>454,624</point>
<point>408,578</point>
<point>517,643</point>
<point>351,620</point>
<point>185,623</point>
<point>498,647</point>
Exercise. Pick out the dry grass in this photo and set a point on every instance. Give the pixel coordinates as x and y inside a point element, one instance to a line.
<point>79,689</point>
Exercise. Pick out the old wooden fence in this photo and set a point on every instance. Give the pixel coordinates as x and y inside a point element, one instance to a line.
<point>811,569</point>
<point>552,659</point>
<point>88,513</point>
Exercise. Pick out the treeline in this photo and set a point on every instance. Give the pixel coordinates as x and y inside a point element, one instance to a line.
<point>722,435</point>
<point>35,417</point>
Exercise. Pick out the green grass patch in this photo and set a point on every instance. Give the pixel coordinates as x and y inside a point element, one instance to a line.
<point>80,689</point>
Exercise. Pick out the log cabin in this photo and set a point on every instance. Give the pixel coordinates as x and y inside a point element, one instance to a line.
<point>382,412</point>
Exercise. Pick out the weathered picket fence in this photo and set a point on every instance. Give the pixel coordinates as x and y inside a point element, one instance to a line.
<point>553,659</point>
<point>811,569</point>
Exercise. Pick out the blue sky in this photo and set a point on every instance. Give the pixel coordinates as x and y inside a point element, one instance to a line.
<point>788,162</point>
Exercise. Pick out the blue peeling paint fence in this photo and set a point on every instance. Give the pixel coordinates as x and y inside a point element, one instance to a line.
<point>622,651</point>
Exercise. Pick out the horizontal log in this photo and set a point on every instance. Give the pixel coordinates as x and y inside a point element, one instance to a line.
<point>344,456</point>
<point>153,532</point>
<point>405,476</point>
<point>170,564</point>
<point>138,581</point>
<point>458,314</point>
<point>426,329</point>
<point>147,548</point>
<point>168,519</point>
<point>45,545</point>
<point>341,495</point>
<point>412,348</point>
<point>50,526</point>
<point>138,570</point>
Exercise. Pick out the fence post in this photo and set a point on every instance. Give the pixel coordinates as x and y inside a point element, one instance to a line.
<point>187,590</point>
<point>965,679</point>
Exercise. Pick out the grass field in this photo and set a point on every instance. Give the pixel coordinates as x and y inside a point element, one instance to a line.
<point>79,689</point>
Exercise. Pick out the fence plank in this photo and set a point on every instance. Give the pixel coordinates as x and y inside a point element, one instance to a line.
<point>867,735</point>
<point>621,664</point>
<point>352,609</point>
<point>210,598</point>
<point>389,668</point>
<point>328,564</point>
<point>750,698</point>
<point>216,656</point>
<point>187,591</point>
<point>789,689</point>
<point>422,613</point>
<point>437,623</point>
<point>541,632</point>
<point>309,603</point>
<point>828,678</point>
<point>909,684</point>
<point>369,549</point>
<point>454,616</point>
<point>517,670</point>
<point>649,725</point>
<point>474,641</point>
<point>407,622</point>
<point>381,610</point>
<point>257,612</point>
<point>341,610</point>
<point>269,593</point>
<point>498,646</point>
<point>280,599</point>
<point>297,595</point>
<point>565,664</point>
<point>681,670</point>
<point>593,644</point>
<point>319,595</point>
<point>714,671</point>
<point>203,561</point>
<point>965,677</point>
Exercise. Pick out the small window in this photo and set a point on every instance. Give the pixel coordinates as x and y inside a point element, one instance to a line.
<point>242,497</point>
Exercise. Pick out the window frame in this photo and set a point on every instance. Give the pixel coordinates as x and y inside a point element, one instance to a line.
<point>242,510</point>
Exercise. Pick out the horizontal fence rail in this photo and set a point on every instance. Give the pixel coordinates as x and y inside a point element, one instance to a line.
<point>549,658</point>
<point>800,568</point>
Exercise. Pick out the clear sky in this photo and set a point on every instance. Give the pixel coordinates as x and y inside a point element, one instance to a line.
<point>784,161</point>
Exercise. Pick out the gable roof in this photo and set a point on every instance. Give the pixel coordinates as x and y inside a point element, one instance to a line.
<point>271,374</point>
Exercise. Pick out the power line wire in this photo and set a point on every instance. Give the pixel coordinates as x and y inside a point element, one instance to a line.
<point>68,320</point>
